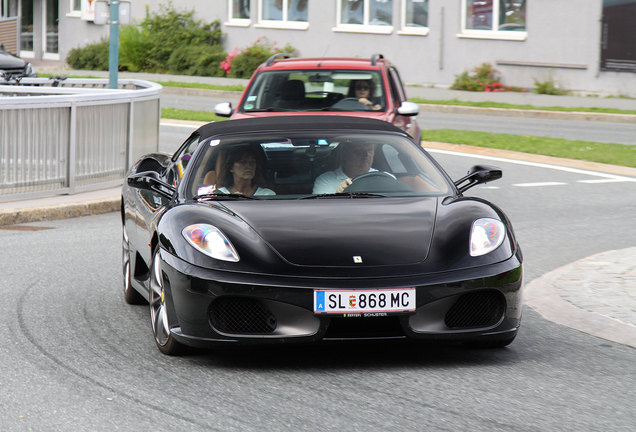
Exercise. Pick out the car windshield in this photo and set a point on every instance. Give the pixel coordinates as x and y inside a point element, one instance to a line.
<point>313,165</point>
<point>315,90</point>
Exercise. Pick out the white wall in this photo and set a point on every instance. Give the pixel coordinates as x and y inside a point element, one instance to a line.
<point>563,32</point>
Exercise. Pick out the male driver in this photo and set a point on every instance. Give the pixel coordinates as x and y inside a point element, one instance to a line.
<point>356,159</point>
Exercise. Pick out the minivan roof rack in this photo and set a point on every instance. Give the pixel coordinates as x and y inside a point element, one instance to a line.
<point>270,61</point>
<point>375,57</point>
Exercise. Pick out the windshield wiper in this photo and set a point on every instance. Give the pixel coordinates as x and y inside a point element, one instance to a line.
<point>344,194</point>
<point>224,195</point>
<point>332,109</point>
<point>271,109</point>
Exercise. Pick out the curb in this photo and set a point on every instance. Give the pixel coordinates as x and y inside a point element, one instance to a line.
<point>185,91</point>
<point>60,211</point>
<point>542,296</point>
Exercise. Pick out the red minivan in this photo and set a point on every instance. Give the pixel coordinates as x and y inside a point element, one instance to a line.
<point>357,87</point>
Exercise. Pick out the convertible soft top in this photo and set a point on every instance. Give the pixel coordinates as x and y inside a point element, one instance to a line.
<point>292,123</point>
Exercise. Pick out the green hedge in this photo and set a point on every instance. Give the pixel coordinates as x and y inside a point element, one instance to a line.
<point>167,42</point>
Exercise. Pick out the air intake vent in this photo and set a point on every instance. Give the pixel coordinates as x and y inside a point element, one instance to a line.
<point>241,315</point>
<point>149,164</point>
<point>475,310</point>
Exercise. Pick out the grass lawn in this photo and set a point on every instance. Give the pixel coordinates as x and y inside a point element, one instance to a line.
<point>455,102</point>
<point>614,154</point>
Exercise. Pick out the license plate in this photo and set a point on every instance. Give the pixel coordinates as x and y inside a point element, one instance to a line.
<point>364,301</point>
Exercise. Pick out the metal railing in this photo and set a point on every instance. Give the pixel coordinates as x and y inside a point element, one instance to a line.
<point>73,135</point>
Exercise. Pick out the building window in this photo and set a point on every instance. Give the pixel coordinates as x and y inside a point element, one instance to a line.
<point>75,8</point>
<point>494,19</point>
<point>365,16</point>
<point>239,13</point>
<point>285,14</point>
<point>414,17</point>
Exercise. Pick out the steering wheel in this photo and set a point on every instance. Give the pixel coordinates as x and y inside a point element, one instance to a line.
<point>350,103</point>
<point>377,182</point>
<point>372,174</point>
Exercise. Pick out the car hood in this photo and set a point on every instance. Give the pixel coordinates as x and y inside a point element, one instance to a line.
<point>378,115</point>
<point>343,232</point>
<point>7,61</point>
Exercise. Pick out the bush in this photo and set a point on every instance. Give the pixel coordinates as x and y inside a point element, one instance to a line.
<point>158,44</point>
<point>243,63</point>
<point>160,35</point>
<point>548,87</point>
<point>91,57</point>
<point>483,78</point>
<point>199,60</point>
<point>132,49</point>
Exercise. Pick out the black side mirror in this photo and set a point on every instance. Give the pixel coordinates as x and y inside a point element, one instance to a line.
<point>151,181</point>
<point>477,175</point>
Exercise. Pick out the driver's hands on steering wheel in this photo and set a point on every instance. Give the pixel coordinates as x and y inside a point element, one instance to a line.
<point>367,102</point>
<point>342,186</point>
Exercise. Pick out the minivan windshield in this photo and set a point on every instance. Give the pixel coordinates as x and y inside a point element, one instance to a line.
<point>315,90</point>
<point>313,165</point>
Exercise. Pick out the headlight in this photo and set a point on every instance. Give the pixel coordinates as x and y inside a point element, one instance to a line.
<point>28,71</point>
<point>211,241</point>
<point>486,235</point>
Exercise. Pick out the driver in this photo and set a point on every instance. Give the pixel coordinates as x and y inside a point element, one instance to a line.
<point>364,91</point>
<point>356,160</point>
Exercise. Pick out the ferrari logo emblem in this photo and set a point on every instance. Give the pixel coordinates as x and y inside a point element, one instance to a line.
<point>357,259</point>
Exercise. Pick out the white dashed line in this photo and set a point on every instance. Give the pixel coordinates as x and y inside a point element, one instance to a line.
<point>539,184</point>
<point>616,180</point>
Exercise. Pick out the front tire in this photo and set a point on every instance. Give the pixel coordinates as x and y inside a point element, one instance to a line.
<point>131,295</point>
<point>166,343</point>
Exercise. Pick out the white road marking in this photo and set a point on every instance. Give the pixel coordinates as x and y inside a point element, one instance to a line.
<point>603,181</point>
<point>539,184</point>
<point>180,125</point>
<point>536,164</point>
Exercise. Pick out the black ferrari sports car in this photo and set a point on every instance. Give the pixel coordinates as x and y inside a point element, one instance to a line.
<point>307,229</point>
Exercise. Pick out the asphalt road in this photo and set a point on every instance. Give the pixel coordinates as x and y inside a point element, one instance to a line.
<point>75,356</point>
<point>619,133</point>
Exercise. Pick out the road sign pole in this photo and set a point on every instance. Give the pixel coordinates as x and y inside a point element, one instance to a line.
<point>113,54</point>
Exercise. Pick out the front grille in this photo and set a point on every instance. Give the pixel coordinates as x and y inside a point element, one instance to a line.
<point>476,309</point>
<point>14,71</point>
<point>364,327</point>
<point>241,315</point>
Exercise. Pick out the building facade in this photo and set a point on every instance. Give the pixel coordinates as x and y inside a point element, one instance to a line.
<point>582,45</point>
